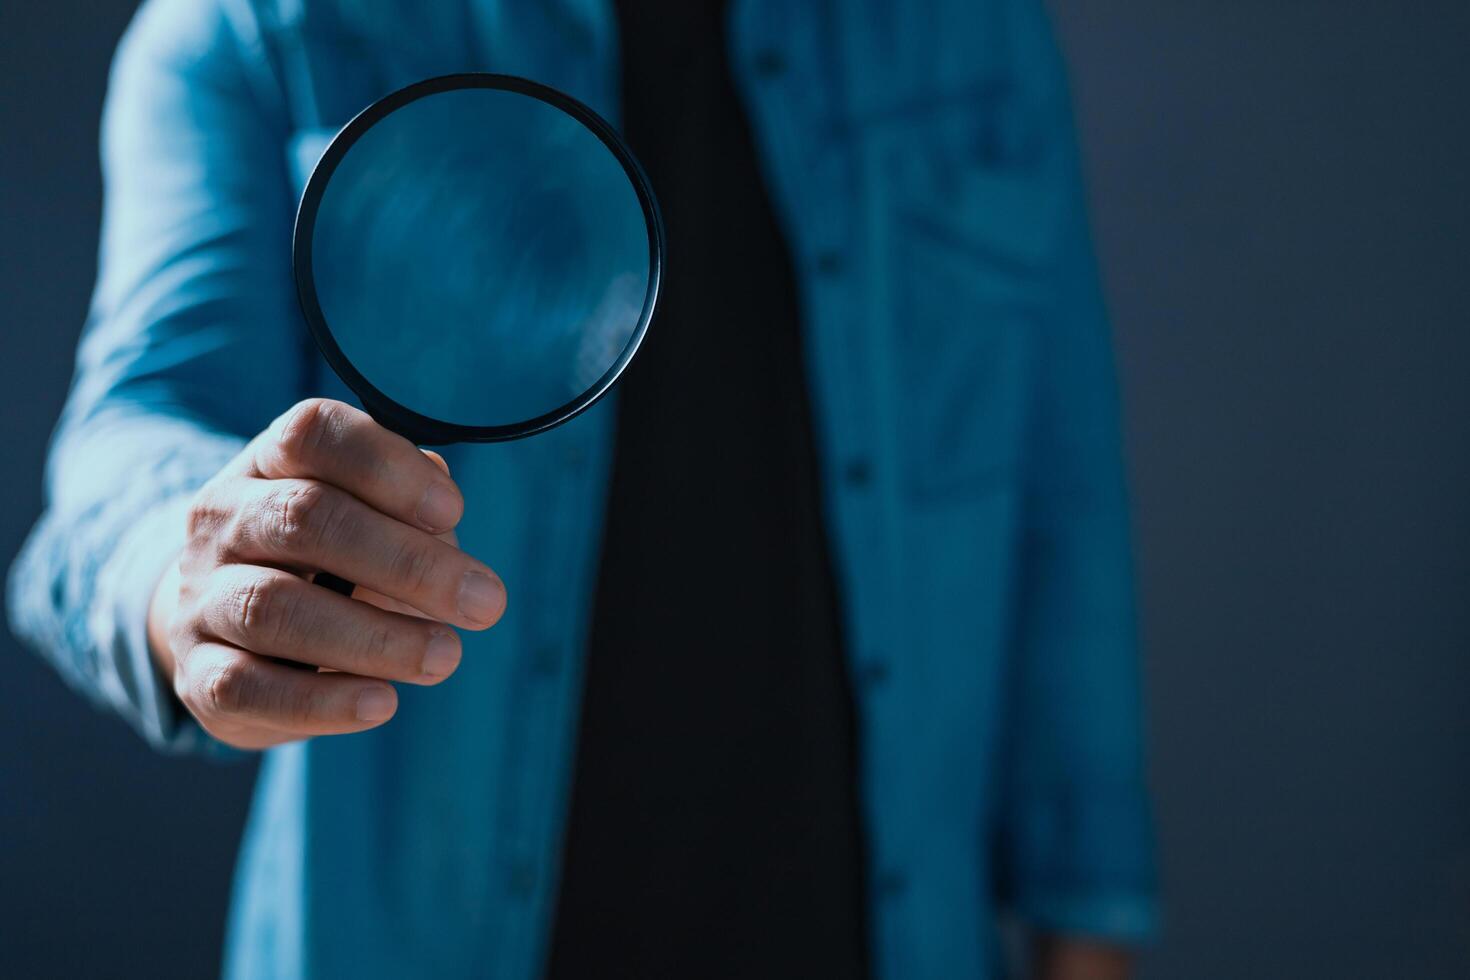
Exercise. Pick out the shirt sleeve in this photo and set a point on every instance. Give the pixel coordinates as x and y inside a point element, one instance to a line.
<point>193,344</point>
<point>1075,846</point>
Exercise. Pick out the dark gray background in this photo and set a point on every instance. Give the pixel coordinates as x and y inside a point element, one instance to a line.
<point>1282,214</point>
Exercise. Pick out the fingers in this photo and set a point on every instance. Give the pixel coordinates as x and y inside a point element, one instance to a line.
<point>303,524</point>
<point>276,614</point>
<point>320,439</point>
<point>323,489</point>
<point>249,702</point>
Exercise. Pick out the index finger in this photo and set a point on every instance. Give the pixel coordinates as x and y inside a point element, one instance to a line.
<point>326,440</point>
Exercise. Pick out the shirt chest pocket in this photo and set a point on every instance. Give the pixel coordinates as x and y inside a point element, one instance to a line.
<point>970,211</point>
<point>962,361</point>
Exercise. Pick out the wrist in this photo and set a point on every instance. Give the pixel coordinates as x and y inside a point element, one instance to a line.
<point>1074,958</point>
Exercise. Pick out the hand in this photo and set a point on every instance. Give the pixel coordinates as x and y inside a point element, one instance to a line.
<point>323,489</point>
<point>1067,958</point>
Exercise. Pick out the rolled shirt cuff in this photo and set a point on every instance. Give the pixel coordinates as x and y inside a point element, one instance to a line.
<point>130,680</point>
<point>1081,861</point>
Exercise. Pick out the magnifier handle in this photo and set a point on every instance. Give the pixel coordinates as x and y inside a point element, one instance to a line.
<point>327,581</point>
<point>337,584</point>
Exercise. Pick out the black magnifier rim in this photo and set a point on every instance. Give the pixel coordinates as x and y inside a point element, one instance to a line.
<point>405,421</point>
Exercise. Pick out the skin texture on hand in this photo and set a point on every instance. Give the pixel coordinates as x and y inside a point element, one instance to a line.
<point>324,488</point>
<point>1071,958</point>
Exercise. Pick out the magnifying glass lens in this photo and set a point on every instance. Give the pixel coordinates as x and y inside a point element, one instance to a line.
<point>479,256</point>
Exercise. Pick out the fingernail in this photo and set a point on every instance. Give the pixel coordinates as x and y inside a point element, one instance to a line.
<point>439,510</point>
<point>375,704</point>
<point>481,597</point>
<point>442,656</point>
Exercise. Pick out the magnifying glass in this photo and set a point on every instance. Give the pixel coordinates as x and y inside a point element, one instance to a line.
<point>478,258</point>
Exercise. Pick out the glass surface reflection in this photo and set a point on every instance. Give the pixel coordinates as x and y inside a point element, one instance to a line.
<point>480,257</point>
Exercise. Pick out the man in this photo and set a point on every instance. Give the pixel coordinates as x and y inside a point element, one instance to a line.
<point>819,659</point>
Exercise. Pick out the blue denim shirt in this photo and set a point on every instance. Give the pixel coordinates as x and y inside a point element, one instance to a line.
<point>923,167</point>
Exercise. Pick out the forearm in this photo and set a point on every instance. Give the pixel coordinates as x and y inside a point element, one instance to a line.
<point>79,594</point>
<point>192,345</point>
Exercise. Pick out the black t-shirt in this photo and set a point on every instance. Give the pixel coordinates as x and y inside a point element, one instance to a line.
<point>713,828</point>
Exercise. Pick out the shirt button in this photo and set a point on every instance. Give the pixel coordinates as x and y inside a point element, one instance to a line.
<point>522,879</point>
<point>546,660</point>
<point>873,673</point>
<point>857,473</point>
<point>574,454</point>
<point>829,264</point>
<point>890,883</point>
<point>769,63</point>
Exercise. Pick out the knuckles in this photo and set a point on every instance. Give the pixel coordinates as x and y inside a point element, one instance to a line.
<point>299,516</point>
<point>207,514</point>
<point>413,567</point>
<point>228,694</point>
<point>265,607</point>
<point>291,517</point>
<point>310,428</point>
<point>377,646</point>
<point>236,688</point>
<point>222,690</point>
